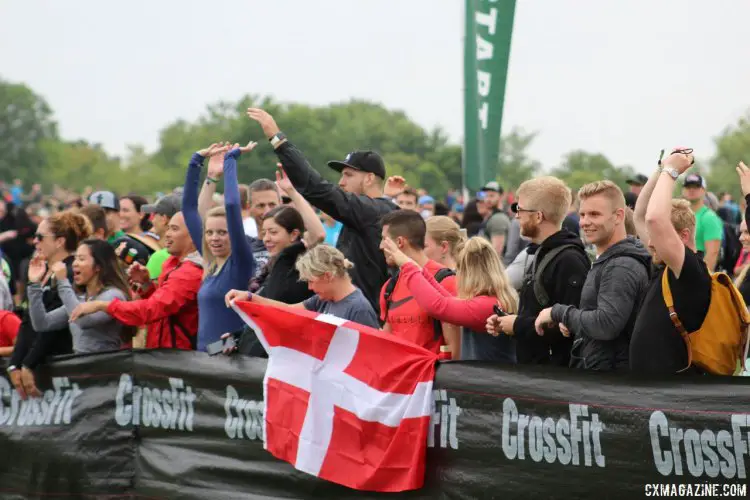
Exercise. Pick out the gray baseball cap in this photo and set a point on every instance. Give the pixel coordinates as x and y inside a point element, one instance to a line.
<point>105,199</point>
<point>167,205</point>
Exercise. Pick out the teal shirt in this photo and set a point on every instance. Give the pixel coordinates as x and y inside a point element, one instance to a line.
<point>708,227</point>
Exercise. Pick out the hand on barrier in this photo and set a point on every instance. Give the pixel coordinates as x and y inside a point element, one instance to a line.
<point>29,383</point>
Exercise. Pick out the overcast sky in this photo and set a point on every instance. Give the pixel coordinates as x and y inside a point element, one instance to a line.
<point>621,77</point>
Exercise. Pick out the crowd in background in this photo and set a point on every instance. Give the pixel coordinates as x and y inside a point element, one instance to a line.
<point>594,278</point>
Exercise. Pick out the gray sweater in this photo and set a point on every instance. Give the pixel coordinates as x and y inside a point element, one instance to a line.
<point>93,333</point>
<point>609,305</point>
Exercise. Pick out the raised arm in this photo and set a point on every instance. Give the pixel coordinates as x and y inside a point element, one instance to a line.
<point>351,210</point>
<point>190,211</point>
<point>314,230</point>
<point>241,250</point>
<point>471,313</point>
<point>662,235</point>
<point>214,174</point>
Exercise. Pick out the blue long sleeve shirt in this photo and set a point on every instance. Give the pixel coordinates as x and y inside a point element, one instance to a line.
<point>214,318</point>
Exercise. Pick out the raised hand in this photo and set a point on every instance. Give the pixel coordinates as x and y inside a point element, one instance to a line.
<point>213,149</point>
<point>37,269</point>
<point>744,172</point>
<point>681,159</point>
<point>282,181</point>
<point>216,162</point>
<point>394,186</point>
<point>266,121</point>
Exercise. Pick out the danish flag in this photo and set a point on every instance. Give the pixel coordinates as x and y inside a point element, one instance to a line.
<point>344,402</point>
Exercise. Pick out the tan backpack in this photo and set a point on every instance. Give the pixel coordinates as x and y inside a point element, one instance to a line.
<point>720,345</point>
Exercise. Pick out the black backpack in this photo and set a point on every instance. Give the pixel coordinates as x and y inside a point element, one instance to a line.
<point>731,248</point>
<point>535,273</point>
<point>439,277</point>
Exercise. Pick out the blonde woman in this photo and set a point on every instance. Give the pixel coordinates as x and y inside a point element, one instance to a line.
<point>443,240</point>
<point>326,271</point>
<point>482,284</point>
<point>227,256</point>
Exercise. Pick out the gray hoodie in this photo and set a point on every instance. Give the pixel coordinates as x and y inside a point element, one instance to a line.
<point>610,300</point>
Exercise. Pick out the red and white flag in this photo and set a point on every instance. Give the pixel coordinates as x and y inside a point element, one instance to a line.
<point>344,402</point>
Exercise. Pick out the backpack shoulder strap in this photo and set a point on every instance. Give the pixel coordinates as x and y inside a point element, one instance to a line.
<point>537,272</point>
<point>389,287</point>
<point>444,273</point>
<point>666,292</point>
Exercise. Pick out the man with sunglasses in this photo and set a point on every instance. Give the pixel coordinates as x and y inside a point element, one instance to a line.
<point>357,202</point>
<point>555,275</point>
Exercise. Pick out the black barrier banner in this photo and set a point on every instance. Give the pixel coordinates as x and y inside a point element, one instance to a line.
<point>175,424</point>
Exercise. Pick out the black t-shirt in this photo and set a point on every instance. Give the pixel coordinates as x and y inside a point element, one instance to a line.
<point>656,346</point>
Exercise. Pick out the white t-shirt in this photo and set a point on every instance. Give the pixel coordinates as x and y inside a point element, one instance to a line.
<point>251,228</point>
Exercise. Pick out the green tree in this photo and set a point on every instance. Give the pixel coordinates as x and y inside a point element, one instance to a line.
<point>732,146</point>
<point>514,165</point>
<point>25,124</point>
<point>581,167</point>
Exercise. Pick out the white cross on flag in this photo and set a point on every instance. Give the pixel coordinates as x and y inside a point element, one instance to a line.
<point>344,402</point>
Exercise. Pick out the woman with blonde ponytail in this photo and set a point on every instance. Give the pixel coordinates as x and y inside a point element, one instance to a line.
<point>482,285</point>
<point>444,240</point>
<point>326,271</point>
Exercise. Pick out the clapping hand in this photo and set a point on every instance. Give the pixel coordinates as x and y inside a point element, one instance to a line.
<point>394,186</point>
<point>214,149</point>
<point>37,269</point>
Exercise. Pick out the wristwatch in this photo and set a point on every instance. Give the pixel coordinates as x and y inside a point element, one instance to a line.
<point>12,368</point>
<point>674,174</point>
<point>277,138</point>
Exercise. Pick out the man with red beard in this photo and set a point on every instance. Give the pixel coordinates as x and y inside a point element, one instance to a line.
<point>555,277</point>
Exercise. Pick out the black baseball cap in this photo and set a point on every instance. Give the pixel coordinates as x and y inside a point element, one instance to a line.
<point>637,180</point>
<point>364,161</point>
<point>694,180</point>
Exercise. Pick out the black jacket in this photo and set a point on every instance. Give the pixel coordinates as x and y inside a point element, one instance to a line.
<point>562,280</point>
<point>360,237</point>
<point>610,301</point>
<point>33,347</point>
<point>20,247</point>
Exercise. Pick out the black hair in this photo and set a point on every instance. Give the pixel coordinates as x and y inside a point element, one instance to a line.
<point>139,201</point>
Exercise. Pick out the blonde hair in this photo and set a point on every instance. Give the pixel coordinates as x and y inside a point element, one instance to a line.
<point>630,228</point>
<point>320,260</point>
<point>479,271</point>
<point>608,189</point>
<point>442,228</point>
<point>682,216</point>
<point>549,195</point>
<point>209,261</point>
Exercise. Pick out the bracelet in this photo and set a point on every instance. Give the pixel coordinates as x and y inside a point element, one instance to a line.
<point>211,180</point>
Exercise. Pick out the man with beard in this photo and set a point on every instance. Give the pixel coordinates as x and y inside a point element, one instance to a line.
<point>613,288</point>
<point>555,277</point>
<point>357,202</point>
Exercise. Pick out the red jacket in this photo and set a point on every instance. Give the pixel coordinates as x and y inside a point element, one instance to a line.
<point>170,309</point>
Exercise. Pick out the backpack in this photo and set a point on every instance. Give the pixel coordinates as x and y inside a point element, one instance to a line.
<point>439,277</point>
<point>720,345</point>
<point>731,248</point>
<point>537,272</point>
